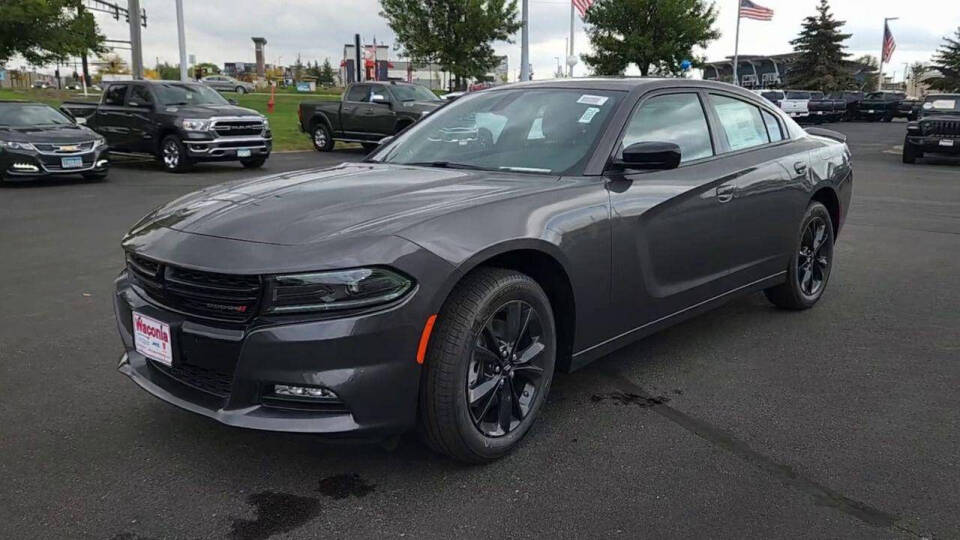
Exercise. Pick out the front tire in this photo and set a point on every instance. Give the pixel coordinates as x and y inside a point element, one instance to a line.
<point>489,366</point>
<point>810,264</point>
<point>322,138</point>
<point>173,155</point>
<point>241,90</point>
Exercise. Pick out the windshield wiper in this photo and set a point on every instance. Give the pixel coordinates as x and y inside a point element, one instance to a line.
<point>447,165</point>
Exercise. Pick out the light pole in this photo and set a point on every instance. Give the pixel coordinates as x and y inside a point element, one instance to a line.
<point>525,42</point>
<point>883,42</point>
<point>182,38</point>
<point>136,48</point>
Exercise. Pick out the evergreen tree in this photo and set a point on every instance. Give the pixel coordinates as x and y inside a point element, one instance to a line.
<point>457,34</point>
<point>947,62</point>
<point>820,65</point>
<point>326,74</point>
<point>656,35</point>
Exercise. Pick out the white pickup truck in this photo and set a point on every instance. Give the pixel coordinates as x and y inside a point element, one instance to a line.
<point>793,102</point>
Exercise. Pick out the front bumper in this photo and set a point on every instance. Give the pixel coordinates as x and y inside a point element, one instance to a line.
<point>934,144</point>
<point>202,146</point>
<point>226,371</point>
<point>27,164</point>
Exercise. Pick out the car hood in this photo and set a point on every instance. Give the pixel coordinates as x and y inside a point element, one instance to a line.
<point>47,134</point>
<point>314,205</point>
<point>208,111</point>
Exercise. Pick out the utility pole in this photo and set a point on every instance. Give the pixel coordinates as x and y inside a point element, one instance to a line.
<point>570,59</point>
<point>136,47</point>
<point>736,49</point>
<point>83,56</point>
<point>525,42</point>
<point>183,41</point>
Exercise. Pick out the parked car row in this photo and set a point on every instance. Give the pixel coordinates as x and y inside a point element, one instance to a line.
<point>816,107</point>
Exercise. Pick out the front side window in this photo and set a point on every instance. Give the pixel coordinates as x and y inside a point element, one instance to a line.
<point>140,95</point>
<point>413,92</point>
<point>378,90</point>
<point>741,122</point>
<point>360,92</point>
<point>676,118</point>
<point>525,130</point>
<point>115,94</point>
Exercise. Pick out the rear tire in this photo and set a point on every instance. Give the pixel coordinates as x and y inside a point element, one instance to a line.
<point>487,373</point>
<point>173,155</point>
<point>810,264</point>
<point>322,138</point>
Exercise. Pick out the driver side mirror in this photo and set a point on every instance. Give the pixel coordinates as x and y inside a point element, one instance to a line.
<point>380,99</point>
<point>649,155</point>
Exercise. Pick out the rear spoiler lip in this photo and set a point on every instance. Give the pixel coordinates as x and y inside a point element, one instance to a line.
<point>828,133</point>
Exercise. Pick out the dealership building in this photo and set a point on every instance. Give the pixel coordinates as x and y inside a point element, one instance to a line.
<point>756,71</point>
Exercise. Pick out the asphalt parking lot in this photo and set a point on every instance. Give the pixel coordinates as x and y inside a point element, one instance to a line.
<point>839,422</point>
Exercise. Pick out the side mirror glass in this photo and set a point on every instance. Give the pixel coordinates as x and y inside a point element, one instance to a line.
<point>649,155</point>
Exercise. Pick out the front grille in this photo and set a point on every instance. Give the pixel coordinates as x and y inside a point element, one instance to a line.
<point>941,127</point>
<point>64,148</point>
<point>205,294</point>
<point>209,380</point>
<point>233,128</point>
<point>54,163</point>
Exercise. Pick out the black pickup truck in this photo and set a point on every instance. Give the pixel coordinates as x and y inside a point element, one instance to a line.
<point>824,108</point>
<point>366,113</point>
<point>178,123</point>
<point>936,131</point>
<point>881,106</point>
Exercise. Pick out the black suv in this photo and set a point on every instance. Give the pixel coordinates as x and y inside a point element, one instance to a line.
<point>937,131</point>
<point>179,123</point>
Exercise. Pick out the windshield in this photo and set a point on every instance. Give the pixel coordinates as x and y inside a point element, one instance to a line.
<point>412,92</point>
<point>17,115</point>
<point>188,94</point>
<point>798,95</point>
<point>528,130</point>
<point>942,103</point>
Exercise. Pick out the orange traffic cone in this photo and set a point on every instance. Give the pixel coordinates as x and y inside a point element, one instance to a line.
<point>271,102</point>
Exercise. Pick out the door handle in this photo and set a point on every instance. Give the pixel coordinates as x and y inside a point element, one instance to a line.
<point>800,167</point>
<point>725,193</point>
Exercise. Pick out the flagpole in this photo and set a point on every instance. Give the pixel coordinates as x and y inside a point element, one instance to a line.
<point>736,48</point>
<point>883,45</point>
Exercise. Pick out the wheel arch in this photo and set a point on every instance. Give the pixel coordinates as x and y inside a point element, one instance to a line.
<point>544,263</point>
<point>319,117</point>
<point>827,196</point>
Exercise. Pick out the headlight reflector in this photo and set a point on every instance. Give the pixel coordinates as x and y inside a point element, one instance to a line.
<point>13,145</point>
<point>337,290</point>
<point>196,124</point>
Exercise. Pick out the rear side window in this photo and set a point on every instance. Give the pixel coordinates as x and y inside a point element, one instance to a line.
<point>676,118</point>
<point>773,126</point>
<point>358,93</point>
<point>741,122</point>
<point>115,94</point>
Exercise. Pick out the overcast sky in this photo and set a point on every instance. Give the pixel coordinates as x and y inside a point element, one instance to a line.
<point>220,30</point>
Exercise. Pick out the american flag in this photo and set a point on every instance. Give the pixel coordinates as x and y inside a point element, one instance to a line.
<point>750,10</point>
<point>889,45</point>
<point>582,6</point>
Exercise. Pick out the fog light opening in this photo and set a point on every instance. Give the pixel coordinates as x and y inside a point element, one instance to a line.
<point>27,167</point>
<point>309,392</point>
<point>102,163</point>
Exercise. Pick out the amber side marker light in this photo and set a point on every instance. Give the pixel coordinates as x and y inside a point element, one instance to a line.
<point>425,338</point>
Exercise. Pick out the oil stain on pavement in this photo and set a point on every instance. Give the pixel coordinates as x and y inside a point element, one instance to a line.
<point>276,513</point>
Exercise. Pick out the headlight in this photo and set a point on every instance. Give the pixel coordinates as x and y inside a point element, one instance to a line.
<point>196,125</point>
<point>97,143</point>
<point>13,145</point>
<point>338,290</point>
<point>266,123</point>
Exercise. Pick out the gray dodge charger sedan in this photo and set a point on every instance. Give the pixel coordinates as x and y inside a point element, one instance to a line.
<point>439,284</point>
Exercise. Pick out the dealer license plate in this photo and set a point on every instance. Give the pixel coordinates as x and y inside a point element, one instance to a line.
<point>243,152</point>
<point>946,142</point>
<point>152,339</point>
<point>71,162</point>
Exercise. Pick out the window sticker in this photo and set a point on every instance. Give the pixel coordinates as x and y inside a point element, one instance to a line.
<point>587,99</point>
<point>588,115</point>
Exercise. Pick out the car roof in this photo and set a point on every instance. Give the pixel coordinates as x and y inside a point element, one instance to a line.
<point>623,84</point>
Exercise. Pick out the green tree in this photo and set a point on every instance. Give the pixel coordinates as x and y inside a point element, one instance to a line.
<point>112,64</point>
<point>457,34</point>
<point>947,62</point>
<point>168,72</point>
<point>821,64</point>
<point>43,31</point>
<point>871,74</point>
<point>325,76</point>
<point>656,35</point>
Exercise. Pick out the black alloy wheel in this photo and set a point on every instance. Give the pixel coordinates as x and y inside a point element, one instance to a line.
<point>488,367</point>
<point>322,138</point>
<point>173,155</point>
<point>810,264</point>
<point>506,369</point>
